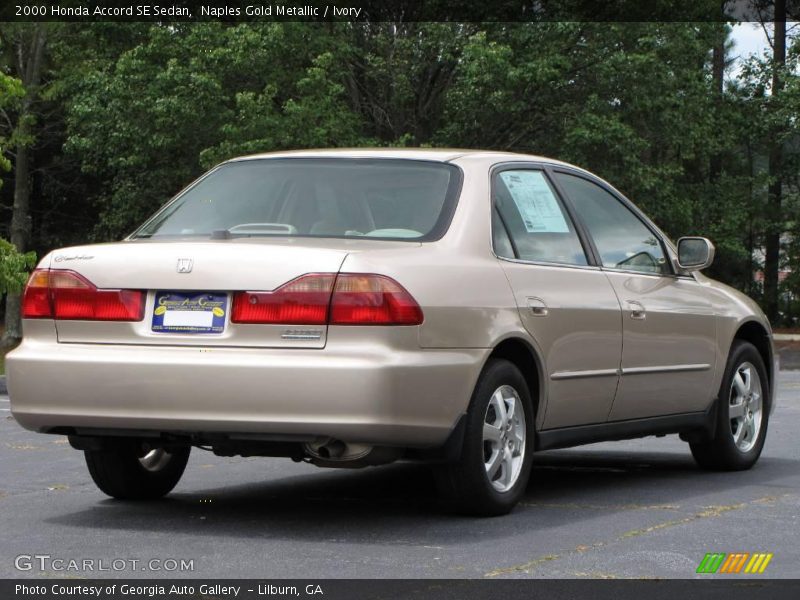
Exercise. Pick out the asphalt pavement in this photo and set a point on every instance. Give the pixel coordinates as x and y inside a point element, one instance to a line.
<point>635,509</point>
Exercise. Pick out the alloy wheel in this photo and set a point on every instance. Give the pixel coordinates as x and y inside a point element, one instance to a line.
<point>745,405</point>
<point>504,433</point>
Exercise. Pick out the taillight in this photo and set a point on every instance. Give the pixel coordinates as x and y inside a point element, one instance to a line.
<point>322,298</point>
<point>36,300</point>
<point>66,295</point>
<point>372,300</point>
<point>302,301</point>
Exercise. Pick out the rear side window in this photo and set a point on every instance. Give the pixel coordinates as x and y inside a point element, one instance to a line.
<point>304,197</point>
<point>622,239</point>
<point>530,222</point>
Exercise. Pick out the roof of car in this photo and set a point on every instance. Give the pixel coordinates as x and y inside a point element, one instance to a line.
<point>434,154</point>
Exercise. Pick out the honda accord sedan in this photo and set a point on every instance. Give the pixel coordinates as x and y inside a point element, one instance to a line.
<point>356,307</point>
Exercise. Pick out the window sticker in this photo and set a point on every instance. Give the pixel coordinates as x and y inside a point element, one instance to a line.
<point>536,202</point>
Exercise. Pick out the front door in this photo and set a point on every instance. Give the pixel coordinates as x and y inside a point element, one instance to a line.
<point>668,327</point>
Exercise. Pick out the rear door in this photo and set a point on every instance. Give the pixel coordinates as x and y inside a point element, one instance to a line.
<point>567,305</point>
<point>668,324</point>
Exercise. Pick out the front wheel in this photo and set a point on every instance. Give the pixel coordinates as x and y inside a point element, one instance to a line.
<point>130,472</point>
<point>742,414</point>
<point>495,464</point>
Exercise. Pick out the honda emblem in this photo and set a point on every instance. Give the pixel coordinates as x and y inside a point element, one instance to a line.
<point>185,265</point>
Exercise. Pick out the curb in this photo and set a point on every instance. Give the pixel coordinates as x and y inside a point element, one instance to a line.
<point>786,337</point>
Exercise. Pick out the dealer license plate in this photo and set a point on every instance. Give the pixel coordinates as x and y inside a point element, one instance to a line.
<point>189,312</point>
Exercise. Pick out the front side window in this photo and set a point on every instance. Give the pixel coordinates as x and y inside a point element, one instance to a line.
<point>307,197</point>
<point>529,222</point>
<point>622,240</point>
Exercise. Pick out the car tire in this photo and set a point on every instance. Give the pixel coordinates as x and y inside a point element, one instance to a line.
<point>742,413</point>
<point>492,473</point>
<point>127,472</point>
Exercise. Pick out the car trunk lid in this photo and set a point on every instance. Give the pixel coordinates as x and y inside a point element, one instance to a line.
<point>185,271</point>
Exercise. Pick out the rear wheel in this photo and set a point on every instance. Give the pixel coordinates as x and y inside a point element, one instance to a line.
<point>742,414</point>
<point>495,463</point>
<point>130,472</point>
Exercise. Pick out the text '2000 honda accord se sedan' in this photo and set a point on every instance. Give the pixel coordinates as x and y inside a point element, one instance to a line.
<point>353,308</point>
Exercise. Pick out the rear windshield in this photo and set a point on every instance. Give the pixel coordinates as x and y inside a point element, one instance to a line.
<point>374,198</point>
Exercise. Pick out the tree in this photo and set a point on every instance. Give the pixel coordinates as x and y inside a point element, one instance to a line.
<point>772,252</point>
<point>768,89</point>
<point>632,102</point>
<point>147,121</point>
<point>27,45</point>
<point>11,92</point>
<point>13,264</point>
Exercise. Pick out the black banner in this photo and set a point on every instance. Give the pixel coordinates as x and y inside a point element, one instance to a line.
<point>392,10</point>
<point>347,589</point>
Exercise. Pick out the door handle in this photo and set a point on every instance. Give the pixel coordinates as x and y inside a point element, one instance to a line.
<point>637,309</point>
<point>537,307</point>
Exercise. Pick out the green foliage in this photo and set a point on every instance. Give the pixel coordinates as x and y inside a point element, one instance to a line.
<point>318,117</point>
<point>775,118</point>
<point>10,93</point>
<point>629,101</point>
<point>154,117</point>
<point>14,267</point>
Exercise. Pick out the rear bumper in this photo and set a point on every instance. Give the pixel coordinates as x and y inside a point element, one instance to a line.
<point>360,393</point>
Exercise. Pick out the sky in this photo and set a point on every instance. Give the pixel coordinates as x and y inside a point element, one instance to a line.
<point>750,38</point>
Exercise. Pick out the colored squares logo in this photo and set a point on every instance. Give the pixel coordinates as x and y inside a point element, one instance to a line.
<point>737,562</point>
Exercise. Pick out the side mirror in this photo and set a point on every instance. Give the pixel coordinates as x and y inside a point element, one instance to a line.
<point>695,253</point>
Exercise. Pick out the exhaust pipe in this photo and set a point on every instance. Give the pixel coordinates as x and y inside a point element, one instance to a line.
<point>330,452</point>
<point>332,449</point>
